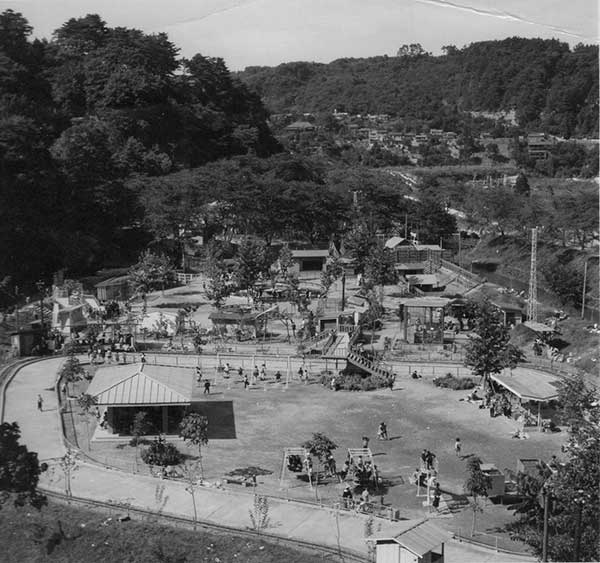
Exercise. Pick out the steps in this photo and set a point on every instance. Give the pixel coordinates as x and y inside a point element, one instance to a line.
<point>338,347</point>
<point>367,365</point>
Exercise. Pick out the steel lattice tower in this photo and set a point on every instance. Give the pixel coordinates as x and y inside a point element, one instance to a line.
<point>532,309</point>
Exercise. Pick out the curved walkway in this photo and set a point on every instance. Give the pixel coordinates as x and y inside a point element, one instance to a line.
<point>41,432</point>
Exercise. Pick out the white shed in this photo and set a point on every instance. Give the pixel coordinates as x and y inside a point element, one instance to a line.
<point>421,543</point>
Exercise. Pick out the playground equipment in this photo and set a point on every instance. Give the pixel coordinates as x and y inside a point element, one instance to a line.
<point>302,454</point>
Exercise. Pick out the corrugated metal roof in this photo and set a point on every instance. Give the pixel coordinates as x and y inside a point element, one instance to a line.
<point>142,384</point>
<point>529,384</point>
<point>395,241</point>
<point>422,538</point>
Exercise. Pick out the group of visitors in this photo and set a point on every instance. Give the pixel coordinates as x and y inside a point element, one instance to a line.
<point>428,460</point>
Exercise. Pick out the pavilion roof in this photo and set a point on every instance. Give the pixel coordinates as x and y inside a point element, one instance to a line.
<point>142,384</point>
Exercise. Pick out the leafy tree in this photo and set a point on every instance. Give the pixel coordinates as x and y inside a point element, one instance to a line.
<point>574,498</point>
<point>564,280</point>
<point>285,261</point>
<point>380,266</point>
<point>251,262</point>
<point>488,350</point>
<point>71,371</point>
<point>19,469</point>
<point>333,270</point>
<point>359,243</point>
<point>320,446</point>
<point>152,272</point>
<point>194,429</point>
<point>86,402</point>
<point>476,485</point>
<point>522,185</point>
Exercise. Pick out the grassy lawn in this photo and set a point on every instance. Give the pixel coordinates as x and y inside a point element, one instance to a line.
<point>70,534</point>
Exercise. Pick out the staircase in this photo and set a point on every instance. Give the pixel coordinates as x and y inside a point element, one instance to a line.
<point>367,365</point>
<point>338,347</point>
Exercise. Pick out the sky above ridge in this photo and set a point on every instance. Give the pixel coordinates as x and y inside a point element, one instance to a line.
<point>269,32</point>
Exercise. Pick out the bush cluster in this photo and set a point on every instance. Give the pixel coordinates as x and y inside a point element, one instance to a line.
<point>450,381</point>
<point>355,381</point>
<point>160,452</point>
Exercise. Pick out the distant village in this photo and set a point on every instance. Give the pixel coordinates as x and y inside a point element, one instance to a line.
<point>372,131</point>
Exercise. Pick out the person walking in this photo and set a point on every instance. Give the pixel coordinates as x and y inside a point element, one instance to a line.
<point>198,374</point>
<point>255,375</point>
<point>382,432</point>
<point>246,382</point>
<point>457,447</point>
<point>40,403</point>
<point>207,386</point>
<point>143,358</point>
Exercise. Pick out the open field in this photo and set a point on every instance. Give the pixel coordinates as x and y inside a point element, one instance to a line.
<point>268,418</point>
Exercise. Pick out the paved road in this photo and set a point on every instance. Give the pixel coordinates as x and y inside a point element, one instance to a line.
<point>41,432</point>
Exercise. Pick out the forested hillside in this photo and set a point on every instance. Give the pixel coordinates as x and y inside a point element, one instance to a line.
<point>550,86</point>
<point>85,111</point>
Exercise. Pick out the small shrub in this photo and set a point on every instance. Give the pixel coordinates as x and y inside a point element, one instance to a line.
<point>449,381</point>
<point>160,452</point>
<point>294,463</point>
<point>358,382</point>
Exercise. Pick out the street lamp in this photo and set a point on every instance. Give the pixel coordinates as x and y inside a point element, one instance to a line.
<point>585,267</point>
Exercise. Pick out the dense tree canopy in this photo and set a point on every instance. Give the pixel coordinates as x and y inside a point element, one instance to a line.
<point>86,111</point>
<point>551,86</point>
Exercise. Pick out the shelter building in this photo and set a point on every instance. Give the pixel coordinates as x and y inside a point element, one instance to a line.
<point>164,392</point>
<point>530,389</point>
<point>422,542</point>
<point>310,260</point>
<point>114,289</point>
<point>422,319</point>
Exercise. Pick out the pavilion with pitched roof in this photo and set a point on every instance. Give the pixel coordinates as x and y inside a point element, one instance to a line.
<point>163,392</point>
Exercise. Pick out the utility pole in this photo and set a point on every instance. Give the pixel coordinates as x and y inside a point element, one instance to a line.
<point>532,309</point>
<point>546,496</point>
<point>583,293</point>
<point>343,288</point>
<point>40,287</point>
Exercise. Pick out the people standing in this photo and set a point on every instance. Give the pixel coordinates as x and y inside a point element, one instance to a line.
<point>382,433</point>
<point>347,497</point>
<point>198,374</point>
<point>255,375</point>
<point>226,370</point>
<point>207,386</point>
<point>457,447</point>
<point>40,403</point>
<point>143,358</point>
<point>246,382</point>
<point>263,372</point>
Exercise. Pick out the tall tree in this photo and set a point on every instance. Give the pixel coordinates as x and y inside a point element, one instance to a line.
<point>194,429</point>
<point>488,350</point>
<point>152,272</point>
<point>476,485</point>
<point>251,262</point>
<point>19,469</point>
